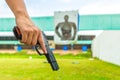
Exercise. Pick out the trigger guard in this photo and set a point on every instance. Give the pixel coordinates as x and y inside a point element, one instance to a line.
<point>36,48</point>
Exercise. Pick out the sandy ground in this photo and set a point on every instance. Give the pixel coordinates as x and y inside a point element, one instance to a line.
<point>61,52</point>
<point>8,51</point>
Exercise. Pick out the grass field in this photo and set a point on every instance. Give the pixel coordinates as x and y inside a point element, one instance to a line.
<point>21,66</point>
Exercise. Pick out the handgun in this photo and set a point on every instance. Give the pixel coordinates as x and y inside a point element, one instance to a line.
<point>50,57</point>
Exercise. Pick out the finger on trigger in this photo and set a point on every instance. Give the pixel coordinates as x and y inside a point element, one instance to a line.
<point>41,41</point>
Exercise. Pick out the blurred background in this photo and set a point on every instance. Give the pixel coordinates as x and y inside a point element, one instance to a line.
<point>97,24</point>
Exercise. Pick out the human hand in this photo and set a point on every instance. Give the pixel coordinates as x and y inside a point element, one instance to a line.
<point>30,33</point>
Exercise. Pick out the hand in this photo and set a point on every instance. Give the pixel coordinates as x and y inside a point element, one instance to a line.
<point>30,33</point>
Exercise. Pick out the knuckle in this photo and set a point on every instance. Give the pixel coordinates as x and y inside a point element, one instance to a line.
<point>33,43</point>
<point>31,31</point>
<point>21,41</point>
<point>36,31</point>
<point>24,31</point>
<point>28,43</point>
<point>40,32</point>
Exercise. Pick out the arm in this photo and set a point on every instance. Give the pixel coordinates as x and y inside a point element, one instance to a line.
<point>18,8</point>
<point>56,30</point>
<point>75,29</point>
<point>27,28</point>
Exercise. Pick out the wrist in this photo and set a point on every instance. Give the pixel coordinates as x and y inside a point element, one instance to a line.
<point>21,14</point>
<point>24,20</point>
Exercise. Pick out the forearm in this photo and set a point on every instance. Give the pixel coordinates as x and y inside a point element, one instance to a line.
<point>75,30</point>
<point>56,30</point>
<point>18,8</point>
<point>30,33</point>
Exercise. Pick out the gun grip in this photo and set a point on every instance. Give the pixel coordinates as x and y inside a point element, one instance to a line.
<point>17,33</point>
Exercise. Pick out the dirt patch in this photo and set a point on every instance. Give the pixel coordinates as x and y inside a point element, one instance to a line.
<point>61,52</point>
<point>11,51</point>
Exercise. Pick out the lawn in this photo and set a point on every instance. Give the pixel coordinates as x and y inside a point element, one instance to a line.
<point>21,66</point>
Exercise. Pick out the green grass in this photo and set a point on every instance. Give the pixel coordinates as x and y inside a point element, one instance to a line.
<point>20,67</point>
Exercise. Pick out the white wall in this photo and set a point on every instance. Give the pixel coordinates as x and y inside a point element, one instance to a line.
<point>106,46</point>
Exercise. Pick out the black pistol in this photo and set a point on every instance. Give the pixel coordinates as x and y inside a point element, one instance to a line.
<point>50,57</point>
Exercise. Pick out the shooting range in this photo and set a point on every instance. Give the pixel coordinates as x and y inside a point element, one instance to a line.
<point>82,38</point>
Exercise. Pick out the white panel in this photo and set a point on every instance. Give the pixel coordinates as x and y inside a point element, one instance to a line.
<point>107,46</point>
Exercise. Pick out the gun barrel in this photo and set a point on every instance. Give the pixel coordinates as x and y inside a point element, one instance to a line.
<point>50,57</point>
